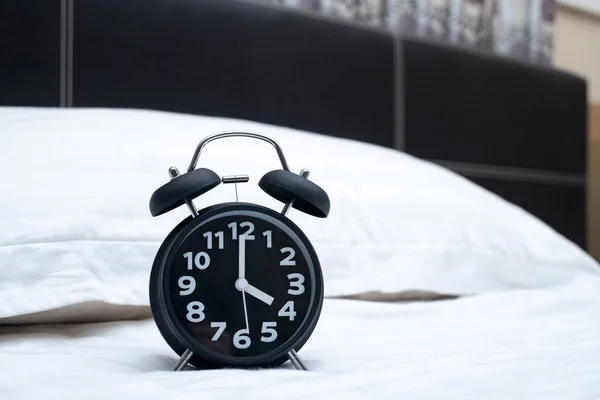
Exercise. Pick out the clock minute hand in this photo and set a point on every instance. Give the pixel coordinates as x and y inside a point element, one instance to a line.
<point>259,294</point>
<point>241,282</point>
<point>242,257</point>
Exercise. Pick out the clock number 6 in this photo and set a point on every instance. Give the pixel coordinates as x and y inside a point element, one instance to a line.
<point>241,340</point>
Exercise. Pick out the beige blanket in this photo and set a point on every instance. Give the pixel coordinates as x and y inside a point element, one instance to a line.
<point>407,296</point>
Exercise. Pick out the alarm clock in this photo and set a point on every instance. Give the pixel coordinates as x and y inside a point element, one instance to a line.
<point>236,284</point>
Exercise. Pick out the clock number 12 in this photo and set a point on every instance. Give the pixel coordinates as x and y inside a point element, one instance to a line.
<point>247,234</point>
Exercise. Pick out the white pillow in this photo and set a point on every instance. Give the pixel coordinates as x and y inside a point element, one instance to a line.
<point>76,228</point>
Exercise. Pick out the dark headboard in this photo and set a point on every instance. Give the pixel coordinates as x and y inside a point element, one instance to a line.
<point>516,129</point>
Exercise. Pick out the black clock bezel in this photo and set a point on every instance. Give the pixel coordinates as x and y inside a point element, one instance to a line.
<point>180,340</point>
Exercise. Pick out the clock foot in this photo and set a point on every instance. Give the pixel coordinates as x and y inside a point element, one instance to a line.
<point>183,360</point>
<point>303,173</point>
<point>296,360</point>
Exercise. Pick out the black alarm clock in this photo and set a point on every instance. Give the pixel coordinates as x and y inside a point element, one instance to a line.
<point>237,285</point>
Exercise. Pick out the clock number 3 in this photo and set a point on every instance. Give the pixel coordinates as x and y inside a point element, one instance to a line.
<point>296,284</point>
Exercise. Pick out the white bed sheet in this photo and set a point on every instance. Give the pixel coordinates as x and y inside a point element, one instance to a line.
<point>542,344</point>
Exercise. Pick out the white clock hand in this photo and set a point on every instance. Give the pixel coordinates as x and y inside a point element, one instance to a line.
<point>245,311</point>
<point>241,282</point>
<point>259,294</point>
<point>242,257</point>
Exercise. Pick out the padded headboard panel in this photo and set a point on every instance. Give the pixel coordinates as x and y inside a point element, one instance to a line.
<point>212,57</point>
<point>517,129</point>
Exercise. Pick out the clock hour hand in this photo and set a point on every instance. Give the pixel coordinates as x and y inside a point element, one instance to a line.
<point>259,294</point>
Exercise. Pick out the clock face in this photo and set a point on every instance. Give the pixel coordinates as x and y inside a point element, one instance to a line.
<point>241,284</point>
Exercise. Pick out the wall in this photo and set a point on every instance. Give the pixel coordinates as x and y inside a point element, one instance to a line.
<point>577,49</point>
<point>577,45</point>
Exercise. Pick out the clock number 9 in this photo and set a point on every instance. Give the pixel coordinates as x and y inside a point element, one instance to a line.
<point>188,284</point>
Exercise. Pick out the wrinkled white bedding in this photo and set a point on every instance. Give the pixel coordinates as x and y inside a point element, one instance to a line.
<point>542,344</point>
<point>79,242</point>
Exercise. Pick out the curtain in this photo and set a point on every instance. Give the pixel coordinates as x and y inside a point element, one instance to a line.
<point>522,29</point>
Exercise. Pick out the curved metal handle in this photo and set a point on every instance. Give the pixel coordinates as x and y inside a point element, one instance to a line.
<point>221,135</point>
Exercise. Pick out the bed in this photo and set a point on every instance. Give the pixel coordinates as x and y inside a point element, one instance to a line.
<point>434,288</point>
<point>535,345</point>
<point>444,277</point>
